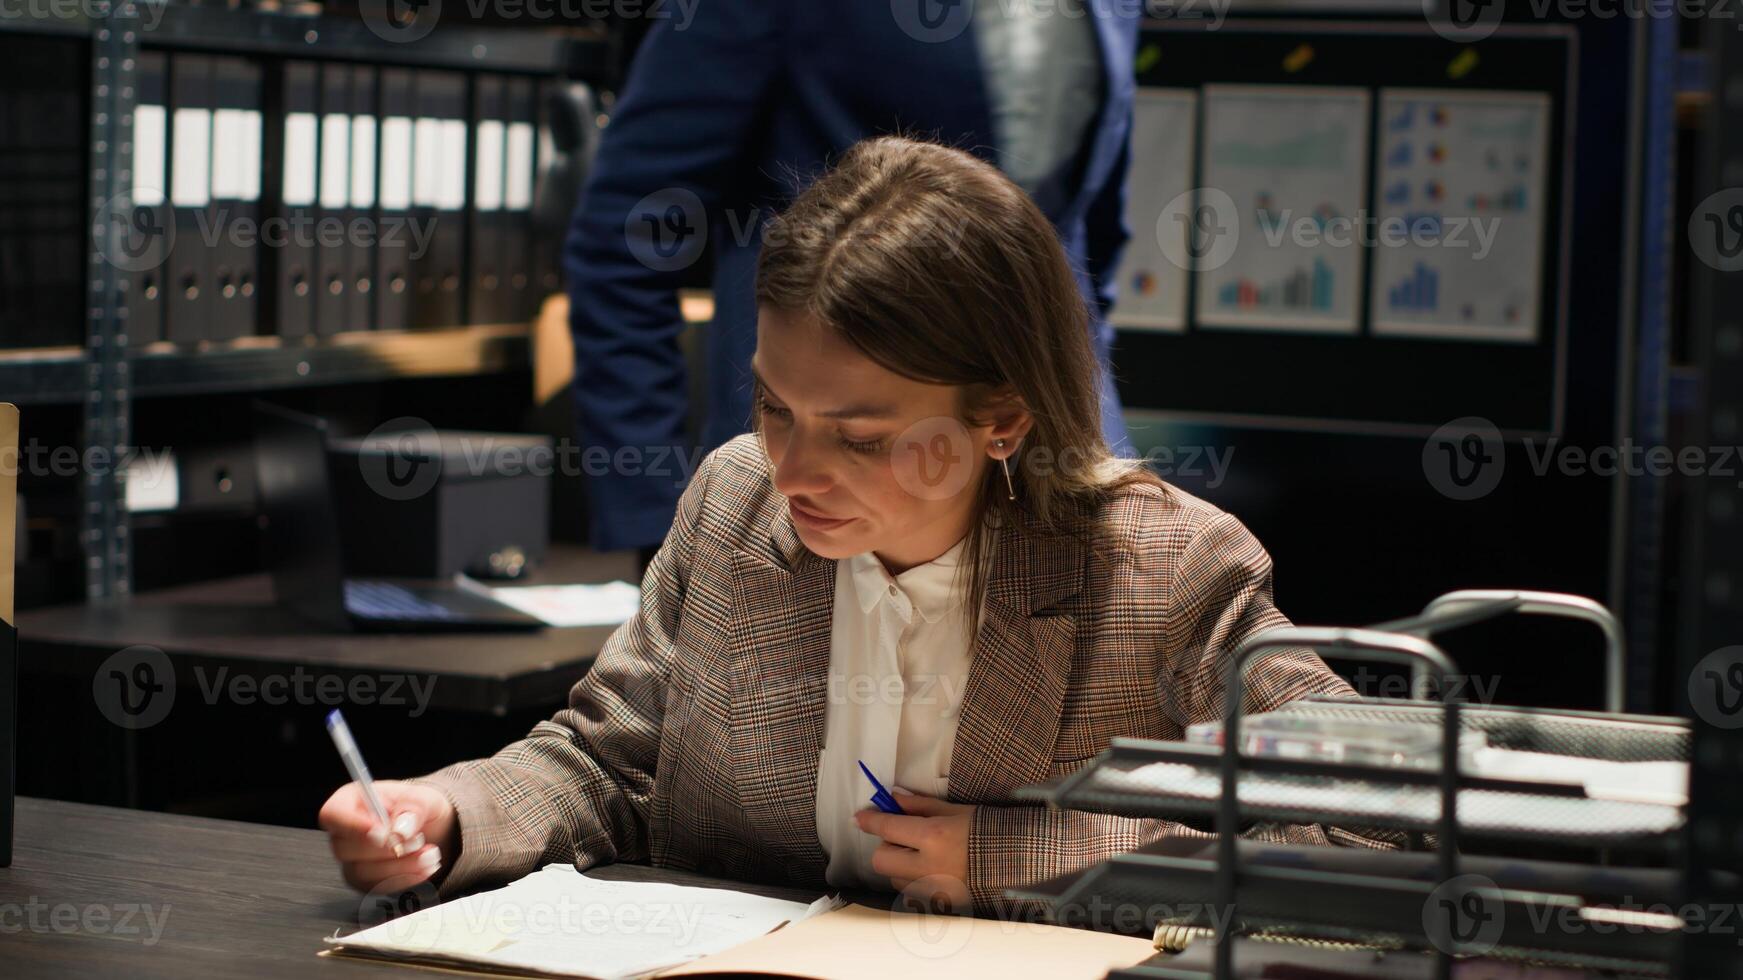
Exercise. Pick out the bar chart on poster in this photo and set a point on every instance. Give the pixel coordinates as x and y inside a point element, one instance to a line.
<point>1159,206</point>
<point>1461,186</point>
<point>1292,162</point>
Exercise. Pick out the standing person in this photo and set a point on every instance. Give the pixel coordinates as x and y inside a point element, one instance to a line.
<point>722,119</point>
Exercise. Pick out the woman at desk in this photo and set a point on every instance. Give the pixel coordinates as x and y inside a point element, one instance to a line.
<point>925,559</point>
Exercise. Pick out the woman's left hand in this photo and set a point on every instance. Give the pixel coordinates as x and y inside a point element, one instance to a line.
<point>924,850</point>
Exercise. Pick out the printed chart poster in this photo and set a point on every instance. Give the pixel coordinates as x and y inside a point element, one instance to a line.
<point>1461,188</point>
<point>1152,280</point>
<point>1292,162</point>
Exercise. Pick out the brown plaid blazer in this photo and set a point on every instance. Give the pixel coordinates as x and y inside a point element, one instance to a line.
<point>693,741</point>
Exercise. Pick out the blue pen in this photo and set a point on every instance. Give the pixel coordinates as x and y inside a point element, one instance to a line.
<point>882,798</point>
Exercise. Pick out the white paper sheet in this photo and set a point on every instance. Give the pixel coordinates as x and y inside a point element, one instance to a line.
<point>1152,286</point>
<point>573,605</point>
<point>559,921</point>
<point>1463,181</point>
<point>1293,162</point>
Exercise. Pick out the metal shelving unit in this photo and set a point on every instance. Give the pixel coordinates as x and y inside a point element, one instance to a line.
<point>590,55</point>
<point>1639,566</point>
<point>103,523</point>
<point>58,376</point>
<point>106,374</point>
<point>1710,660</point>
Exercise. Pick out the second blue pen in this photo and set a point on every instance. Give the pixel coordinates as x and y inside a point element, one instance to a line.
<point>882,798</point>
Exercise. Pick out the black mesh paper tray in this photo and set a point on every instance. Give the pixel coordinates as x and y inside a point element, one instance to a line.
<point>1176,780</point>
<point>1585,734</point>
<point>1341,906</point>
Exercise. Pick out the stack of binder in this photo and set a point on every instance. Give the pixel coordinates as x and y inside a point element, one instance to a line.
<point>213,170</point>
<point>310,198</point>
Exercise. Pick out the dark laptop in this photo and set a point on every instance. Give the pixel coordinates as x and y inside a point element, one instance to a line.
<point>304,555</point>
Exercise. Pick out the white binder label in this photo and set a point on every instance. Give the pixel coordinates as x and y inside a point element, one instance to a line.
<point>518,161</point>
<point>148,148</point>
<point>227,138</point>
<point>335,159</point>
<point>396,163</point>
<point>487,187</point>
<point>191,171</point>
<point>427,163</point>
<point>299,159</point>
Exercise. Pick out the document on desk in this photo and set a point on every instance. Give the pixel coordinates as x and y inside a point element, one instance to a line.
<point>558,922</point>
<point>861,943</point>
<point>606,604</point>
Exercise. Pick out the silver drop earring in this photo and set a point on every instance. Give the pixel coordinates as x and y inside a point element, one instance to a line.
<point>1005,462</point>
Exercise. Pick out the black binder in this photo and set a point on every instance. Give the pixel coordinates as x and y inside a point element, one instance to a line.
<point>365,135</point>
<point>188,310</point>
<point>439,195</point>
<point>235,198</point>
<point>8,634</point>
<point>394,201</point>
<point>546,245</point>
<point>332,201</point>
<point>521,172</point>
<point>299,171</point>
<point>151,211</point>
<point>487,298</point>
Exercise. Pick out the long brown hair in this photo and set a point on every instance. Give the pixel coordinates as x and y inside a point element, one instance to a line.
<point>937,267</point>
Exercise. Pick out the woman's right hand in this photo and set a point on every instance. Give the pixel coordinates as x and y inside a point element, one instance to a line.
<point>421,838</point>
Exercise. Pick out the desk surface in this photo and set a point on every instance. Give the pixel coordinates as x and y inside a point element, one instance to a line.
<point>230,899</point>
<point>235,623</point>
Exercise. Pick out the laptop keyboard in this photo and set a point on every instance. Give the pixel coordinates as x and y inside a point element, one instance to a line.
<point>385,600</point>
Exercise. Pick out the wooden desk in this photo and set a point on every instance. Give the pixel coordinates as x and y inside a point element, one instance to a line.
<point>234,625</point>
<point>246,685</point>
<point>232,899</point>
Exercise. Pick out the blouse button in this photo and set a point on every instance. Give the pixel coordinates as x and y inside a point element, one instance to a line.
<point>892,590</point>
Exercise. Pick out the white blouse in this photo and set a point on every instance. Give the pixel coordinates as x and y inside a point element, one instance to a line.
<point>898,664</point>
